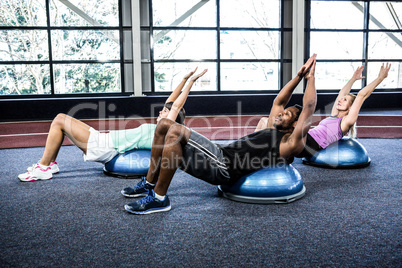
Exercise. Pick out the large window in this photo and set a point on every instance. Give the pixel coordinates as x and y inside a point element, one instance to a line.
<point>60,47</point>
<point>348,34</point>
<point>238,41</point>
<point>88,47</point>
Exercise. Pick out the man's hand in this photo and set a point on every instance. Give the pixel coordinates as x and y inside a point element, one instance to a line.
<point>311,73</point>
<point>384,71</point>
<point>305,68</point>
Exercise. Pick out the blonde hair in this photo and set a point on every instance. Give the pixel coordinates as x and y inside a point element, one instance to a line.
<point>352,130</point>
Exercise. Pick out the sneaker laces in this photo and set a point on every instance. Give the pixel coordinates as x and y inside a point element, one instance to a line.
<point>141,184</point>
<point>146,199</point>
<point>32,168</point>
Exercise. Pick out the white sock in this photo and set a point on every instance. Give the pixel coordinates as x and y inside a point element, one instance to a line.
<point>160,197</point>
<point>150,183</point>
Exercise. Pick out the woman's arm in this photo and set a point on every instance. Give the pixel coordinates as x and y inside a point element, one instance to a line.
<point>178,89</point>
<point>363,94</point>
<point>181,99</point>
<point>346,89</point>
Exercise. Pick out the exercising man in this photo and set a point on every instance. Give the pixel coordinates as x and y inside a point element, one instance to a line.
<point>176,146</point>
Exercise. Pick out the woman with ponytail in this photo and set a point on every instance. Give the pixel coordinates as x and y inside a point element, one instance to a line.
<point>343,115</point>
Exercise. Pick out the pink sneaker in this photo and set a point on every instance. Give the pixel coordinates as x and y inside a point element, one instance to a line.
<point>54,168</point>
<point>36,173</point>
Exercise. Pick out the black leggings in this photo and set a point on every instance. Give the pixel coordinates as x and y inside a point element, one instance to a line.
<point>310,148</point>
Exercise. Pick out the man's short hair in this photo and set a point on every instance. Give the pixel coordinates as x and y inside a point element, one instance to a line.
<point>299,108</point>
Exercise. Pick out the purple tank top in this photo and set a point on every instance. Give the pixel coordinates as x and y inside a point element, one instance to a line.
<point>327,132</point>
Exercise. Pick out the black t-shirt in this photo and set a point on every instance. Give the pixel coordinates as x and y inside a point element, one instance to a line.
<point>252,152</point>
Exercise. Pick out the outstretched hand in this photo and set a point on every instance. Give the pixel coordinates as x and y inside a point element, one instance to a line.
<point>304,70</point>
<point>358,73</point>
<point>187,76</point>
<point>195,77</point>
<point>311,73</point>
<point>384,71</point>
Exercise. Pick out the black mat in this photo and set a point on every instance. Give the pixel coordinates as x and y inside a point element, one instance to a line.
<point>348,218</point>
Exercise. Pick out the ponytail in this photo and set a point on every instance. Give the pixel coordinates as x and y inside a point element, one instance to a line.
<point>352,131</point>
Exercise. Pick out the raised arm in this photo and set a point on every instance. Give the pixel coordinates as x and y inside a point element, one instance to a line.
<point>181,99</point>
<point>363,94</point>
<point>346,89</point>
<point>178,89</point>
<point>296,140</point>
<point>286,92</point>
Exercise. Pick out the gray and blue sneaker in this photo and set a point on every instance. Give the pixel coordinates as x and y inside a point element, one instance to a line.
<point>141,189</point>
<point>149,204</point>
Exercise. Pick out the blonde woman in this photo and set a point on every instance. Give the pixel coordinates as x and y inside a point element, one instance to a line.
<point>344,114</point>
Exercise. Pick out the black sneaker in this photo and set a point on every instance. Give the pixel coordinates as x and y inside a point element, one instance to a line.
<point>149,204</point>
<point>141,189</point>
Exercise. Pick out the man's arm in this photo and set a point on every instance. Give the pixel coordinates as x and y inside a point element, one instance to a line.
<point>181,99</point>
<point>173,96</point>
<point>286,92</point>
<point>295,143</point>
<point>346,89</point>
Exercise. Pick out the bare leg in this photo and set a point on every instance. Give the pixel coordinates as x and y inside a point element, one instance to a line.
<point>166,153</point>
<point>64,125</point>
<point>172,156</point>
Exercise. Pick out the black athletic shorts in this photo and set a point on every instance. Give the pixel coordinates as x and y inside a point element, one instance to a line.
<point>310,148</point>
<point>204,160</point>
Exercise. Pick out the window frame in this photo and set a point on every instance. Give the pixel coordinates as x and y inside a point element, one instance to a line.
<point>150,28</point>
<point>49,28</point>
<point>365,30</point>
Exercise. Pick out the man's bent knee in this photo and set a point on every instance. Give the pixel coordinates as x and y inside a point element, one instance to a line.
<point>177,133</point>
<point>163,126</point>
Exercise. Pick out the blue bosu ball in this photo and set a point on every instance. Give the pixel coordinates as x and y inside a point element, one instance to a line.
<point>346,153</point>
<point>272,184</point>
<point>134,163</point>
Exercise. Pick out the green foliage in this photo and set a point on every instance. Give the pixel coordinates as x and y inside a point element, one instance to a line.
<point>86,45</point>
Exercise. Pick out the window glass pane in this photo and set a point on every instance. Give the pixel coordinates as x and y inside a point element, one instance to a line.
<point>337,45</point>
<point>126,12</point>
<point>249,45</point>
<point>24,79</point>
<point>169,75</point>
<point>87,78</point>
<point>250,76</point>
<point>394,79</point>
<point>250,13</point>
<point>385,45</point>
<point>85,45</point>
<point>23,13</point>
<point>146,77</point>
<point>385,15</point>
<point>194,13</point>
<point>23,45</point>
<point>334,75</point>
<point>336,15</point>
<point>185,45</point>
<point>84,13</point>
